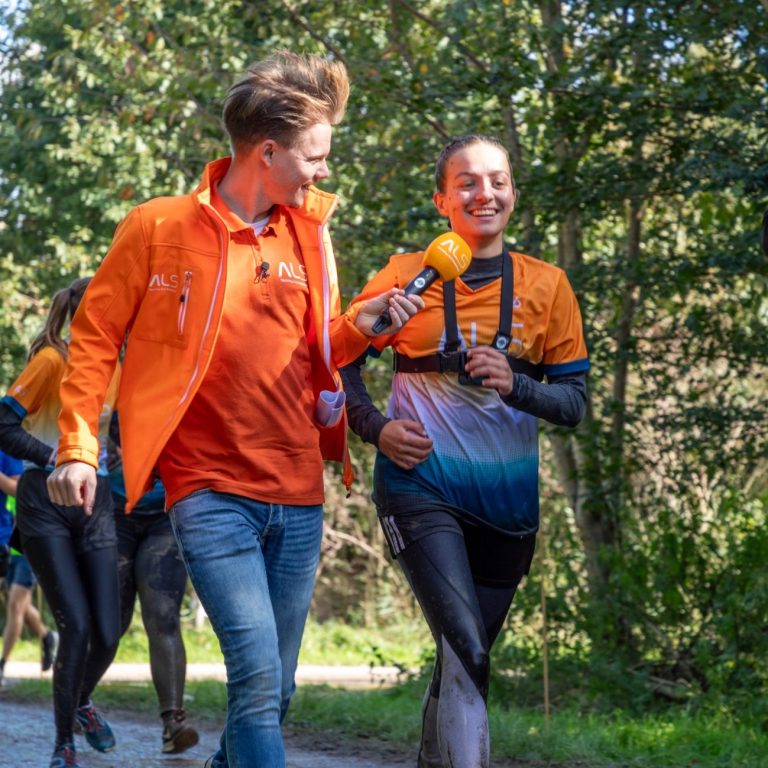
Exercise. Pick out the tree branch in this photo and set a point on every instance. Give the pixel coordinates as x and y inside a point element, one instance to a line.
<point>332,534</point>
<point>431,23</point>
<point>311,32</point>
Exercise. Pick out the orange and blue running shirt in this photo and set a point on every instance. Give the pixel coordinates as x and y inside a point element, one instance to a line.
<point>250,430</point>
<point>34,397</point>
<point>485,453</point>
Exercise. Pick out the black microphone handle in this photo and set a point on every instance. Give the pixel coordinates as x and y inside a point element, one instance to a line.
<point>384,321</point>
<point>422,281</point>
<point>417,286</point>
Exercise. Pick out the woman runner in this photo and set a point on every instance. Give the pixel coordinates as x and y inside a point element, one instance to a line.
<point>74,555</point>
<point>456,474</point>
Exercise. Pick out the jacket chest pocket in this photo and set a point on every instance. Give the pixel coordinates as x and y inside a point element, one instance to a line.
<point>172,307</point>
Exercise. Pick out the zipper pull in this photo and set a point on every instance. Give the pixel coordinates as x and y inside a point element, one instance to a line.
<point>183,304</point>
<point>185,289</point>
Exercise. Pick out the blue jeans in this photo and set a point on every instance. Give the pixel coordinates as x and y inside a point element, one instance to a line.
<point>253,567</point>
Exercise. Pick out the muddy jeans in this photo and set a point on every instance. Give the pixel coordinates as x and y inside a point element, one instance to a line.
<point>253,566</point>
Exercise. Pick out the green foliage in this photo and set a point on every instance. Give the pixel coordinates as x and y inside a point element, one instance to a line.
<point>331,642</point>
<point>403,644</point>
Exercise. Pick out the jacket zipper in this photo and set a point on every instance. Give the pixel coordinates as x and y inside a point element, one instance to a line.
<point>222,260</point>
<point>184,301</point>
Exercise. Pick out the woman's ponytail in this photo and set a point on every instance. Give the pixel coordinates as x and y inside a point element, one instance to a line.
<point>64,304</point>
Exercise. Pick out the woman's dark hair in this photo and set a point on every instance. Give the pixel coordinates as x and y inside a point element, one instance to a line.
<point>455,144</point>
<point>63,307</point>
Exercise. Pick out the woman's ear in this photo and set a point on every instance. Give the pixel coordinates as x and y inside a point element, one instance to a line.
<point>439,200</point>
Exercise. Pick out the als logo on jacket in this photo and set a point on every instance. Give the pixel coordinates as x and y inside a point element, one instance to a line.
<point>160,281</point>
<point>290,272</point>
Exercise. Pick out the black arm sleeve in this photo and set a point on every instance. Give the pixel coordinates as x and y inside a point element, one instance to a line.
<point>16,441</point>
<point>561,401</point>
<point>365,419</point>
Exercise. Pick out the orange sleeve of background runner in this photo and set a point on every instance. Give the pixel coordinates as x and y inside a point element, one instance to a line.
<point>39,381</point>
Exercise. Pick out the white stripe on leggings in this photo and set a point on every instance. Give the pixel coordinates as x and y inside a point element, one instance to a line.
<point>393,534</point>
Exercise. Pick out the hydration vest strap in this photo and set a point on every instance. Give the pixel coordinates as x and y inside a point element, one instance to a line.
<point>503,337</point>
<point>453,359</point>
<point>449,311</point>
<point>455,362</point>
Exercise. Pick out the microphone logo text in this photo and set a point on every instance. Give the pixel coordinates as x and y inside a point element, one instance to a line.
<point>453,250</point>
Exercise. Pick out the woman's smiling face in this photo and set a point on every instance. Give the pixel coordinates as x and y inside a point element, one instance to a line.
<point>479,194</point>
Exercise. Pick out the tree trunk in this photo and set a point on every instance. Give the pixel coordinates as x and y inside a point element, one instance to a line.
<point>590,476</point>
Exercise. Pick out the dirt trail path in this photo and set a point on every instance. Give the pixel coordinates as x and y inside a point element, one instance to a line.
<point>26,734</point>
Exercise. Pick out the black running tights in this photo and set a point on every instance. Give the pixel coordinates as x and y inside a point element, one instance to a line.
<point>465,616</point>
<point>457,605</point>
<point>82,593</point>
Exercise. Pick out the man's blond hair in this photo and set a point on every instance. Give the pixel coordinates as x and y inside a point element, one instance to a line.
<point>282,95</point>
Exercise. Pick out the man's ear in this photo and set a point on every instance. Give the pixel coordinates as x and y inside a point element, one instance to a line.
<point>266,150</point>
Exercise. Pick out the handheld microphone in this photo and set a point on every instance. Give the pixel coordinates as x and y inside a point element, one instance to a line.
<point>446,257</point>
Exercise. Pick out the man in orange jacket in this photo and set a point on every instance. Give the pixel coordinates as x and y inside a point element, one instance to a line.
<point>230,390</point>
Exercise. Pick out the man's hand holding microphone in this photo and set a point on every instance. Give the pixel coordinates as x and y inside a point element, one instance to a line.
<point>446,257</point>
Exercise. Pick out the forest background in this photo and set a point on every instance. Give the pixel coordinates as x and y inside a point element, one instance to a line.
<point>637,133</point>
